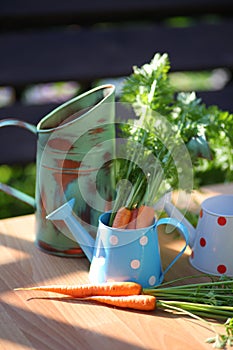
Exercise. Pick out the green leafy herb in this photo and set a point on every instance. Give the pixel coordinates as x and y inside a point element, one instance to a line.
<point>164,121</point>
<point>220,341</point>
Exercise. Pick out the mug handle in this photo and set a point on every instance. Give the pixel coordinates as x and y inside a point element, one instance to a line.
<point>183,230</point>
<point>8,189</point>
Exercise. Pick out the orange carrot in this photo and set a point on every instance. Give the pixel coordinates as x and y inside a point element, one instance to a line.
<point>122,218</point>
<point>86,290</point>
<point>138,302</point>
<point>145,216</point>
<point>132,223</point>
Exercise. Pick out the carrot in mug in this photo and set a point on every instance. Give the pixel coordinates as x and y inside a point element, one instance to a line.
<point>138,302</point>
<point>145,216</point>
<point>122,218</point>
<point>86,290</point>
<point>132,223</point>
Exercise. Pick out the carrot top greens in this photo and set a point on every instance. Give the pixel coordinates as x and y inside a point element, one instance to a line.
<point>212,299</point>
<point>166,136</point>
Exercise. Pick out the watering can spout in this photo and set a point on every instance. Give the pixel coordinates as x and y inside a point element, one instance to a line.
<point>173,212</point>
<point>84,239</point>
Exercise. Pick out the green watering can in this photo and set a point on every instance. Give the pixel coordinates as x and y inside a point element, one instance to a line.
<point>75,146</point>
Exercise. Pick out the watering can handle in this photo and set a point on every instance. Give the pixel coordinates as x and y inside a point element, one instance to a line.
<point>183,230</point>
<point>8,189</point>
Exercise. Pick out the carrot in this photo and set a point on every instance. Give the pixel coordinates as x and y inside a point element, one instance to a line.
<point>138,302</point>
<point>86,290</point>
<point>122,218</point>
<point>145,216</point>
<point>132,223</point>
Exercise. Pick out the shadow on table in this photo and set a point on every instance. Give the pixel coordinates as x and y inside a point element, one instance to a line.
<point>41,332</point>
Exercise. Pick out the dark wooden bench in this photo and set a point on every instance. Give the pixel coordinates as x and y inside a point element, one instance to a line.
<point>83,41</point>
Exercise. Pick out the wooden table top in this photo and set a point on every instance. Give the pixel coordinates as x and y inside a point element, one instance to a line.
<point>51,324</point>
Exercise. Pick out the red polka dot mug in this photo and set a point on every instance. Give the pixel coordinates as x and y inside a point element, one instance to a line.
<point>119,254</point>
<point>212,240</point>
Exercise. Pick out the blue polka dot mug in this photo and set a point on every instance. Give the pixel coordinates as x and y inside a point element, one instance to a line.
<point>120,254</point>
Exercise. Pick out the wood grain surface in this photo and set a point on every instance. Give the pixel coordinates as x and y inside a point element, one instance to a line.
<point>27,321</point>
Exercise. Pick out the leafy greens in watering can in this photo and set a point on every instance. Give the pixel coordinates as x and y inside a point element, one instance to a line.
<point>166,140</point>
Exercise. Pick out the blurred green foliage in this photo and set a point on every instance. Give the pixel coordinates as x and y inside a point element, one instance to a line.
<point>22,177</point>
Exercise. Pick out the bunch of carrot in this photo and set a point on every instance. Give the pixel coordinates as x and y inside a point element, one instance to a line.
<point>137,190</point>
<point>134,218</point>
<point>119,294</point>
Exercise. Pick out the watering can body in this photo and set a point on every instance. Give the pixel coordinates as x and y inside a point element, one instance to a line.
<point>74,144</point>
<point>120,254</point>
<point>126,256</point>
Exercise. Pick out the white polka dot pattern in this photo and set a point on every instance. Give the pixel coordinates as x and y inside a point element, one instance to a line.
<point>113,240</point>
<point>143,240</point>
<point>152,280</point>
<point>135,264</point>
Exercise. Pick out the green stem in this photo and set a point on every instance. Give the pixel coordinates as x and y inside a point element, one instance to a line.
<point>175,308</point>
<point>194,294</point>
<point>152,190</point>
<point>195,308</point>
<point>135,193</point>
<point>196,285</point>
